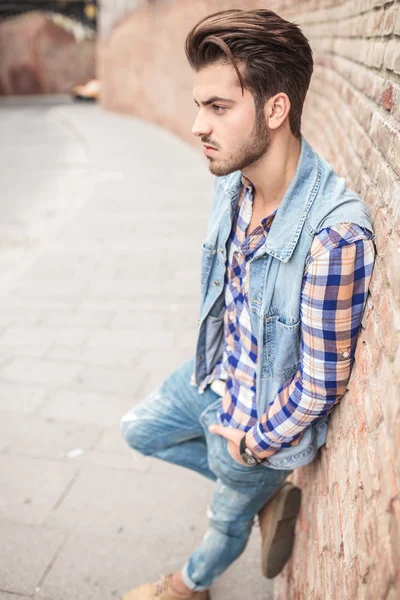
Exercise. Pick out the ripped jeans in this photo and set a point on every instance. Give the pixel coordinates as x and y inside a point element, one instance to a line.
<point>172,424</point>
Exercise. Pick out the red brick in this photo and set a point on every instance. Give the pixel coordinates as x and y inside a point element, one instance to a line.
<point>390,394</point>
<point>387,97</point>
<point>394,593</point>
<point>397,24</point>
<point>393,265</point>
<point>386,319</point>
<point>394,530</point>
<point>387,473</point>
<point>377,283</point>
<point>348,510</point>
<point>392,56</point>
<point>383,228</point>
<point>372,407</point>
<point>389,20</point>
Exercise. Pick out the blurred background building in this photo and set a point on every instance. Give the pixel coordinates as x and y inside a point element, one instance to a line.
<point>82,10</point>
<point>46,47</point>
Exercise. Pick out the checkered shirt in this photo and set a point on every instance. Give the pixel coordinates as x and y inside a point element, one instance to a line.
<point>334,292</point>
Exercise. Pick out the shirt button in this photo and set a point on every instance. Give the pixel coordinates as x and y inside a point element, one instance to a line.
<point>216,282</point>
<point>229,349</point>
<point>346,354</point>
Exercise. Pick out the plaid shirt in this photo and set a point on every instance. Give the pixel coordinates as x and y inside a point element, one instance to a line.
<point>334,292</point>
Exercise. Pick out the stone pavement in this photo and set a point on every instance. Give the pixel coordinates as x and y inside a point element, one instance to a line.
<point>103,218</point>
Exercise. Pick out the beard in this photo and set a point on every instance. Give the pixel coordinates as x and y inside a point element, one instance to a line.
<point>250,150</point>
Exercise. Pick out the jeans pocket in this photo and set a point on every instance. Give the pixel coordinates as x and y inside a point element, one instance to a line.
<point>221,463</point>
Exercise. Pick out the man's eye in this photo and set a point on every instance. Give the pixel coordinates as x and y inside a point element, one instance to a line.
<point>219,109</point>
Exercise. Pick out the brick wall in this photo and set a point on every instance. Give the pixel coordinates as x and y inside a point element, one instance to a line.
<point>348,534</point>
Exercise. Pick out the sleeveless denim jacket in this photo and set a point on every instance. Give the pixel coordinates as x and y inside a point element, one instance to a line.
<point>315,199</point>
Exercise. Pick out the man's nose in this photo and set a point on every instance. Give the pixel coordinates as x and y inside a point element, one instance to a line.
<point>200,126</point>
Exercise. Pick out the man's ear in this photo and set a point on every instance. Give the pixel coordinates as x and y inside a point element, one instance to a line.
<point>276,110</point>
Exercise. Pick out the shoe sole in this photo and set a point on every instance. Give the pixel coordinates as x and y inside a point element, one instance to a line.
<point>278,544</point>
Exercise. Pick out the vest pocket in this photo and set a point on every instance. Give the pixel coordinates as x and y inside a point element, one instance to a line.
<point>281,346</point>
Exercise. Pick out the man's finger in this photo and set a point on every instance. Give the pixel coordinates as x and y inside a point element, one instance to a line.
<point>221,430</point>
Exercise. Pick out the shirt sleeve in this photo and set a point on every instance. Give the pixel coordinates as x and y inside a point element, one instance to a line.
<point>334,293</point>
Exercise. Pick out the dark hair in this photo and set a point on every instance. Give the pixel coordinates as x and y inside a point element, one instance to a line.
<point>275,54</point>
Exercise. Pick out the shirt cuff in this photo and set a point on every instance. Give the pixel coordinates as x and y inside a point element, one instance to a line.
<point>255,448</point>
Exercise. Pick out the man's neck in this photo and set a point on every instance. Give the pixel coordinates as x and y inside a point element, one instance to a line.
<point>272,174</point>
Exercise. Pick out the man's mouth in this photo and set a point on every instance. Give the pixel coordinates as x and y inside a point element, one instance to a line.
<point>209,149</point>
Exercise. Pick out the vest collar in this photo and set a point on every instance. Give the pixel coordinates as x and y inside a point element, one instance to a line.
<point>295,205</point>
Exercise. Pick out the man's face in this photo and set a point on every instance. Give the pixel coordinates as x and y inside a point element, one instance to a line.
<point>232,130</point>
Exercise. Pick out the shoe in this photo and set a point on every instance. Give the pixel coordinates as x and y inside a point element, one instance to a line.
<point>162,590</point>
<point>277,523</point>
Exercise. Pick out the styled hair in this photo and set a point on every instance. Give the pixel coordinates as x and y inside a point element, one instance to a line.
<point>274,54</point>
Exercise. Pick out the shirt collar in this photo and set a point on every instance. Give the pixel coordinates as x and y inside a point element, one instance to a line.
<point>295,205</point>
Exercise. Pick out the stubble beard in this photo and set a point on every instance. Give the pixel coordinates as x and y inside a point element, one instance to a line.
<point>250,151</point>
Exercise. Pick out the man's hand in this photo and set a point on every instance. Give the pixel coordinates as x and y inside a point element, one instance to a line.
<point>233,436</point>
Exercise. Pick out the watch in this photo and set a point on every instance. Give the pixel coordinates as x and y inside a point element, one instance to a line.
<point>247,454</point>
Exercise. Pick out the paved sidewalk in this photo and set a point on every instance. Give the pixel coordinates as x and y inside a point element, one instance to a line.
<point>103,218</point>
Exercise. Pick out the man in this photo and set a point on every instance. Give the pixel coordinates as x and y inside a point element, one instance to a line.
<point>285,271</point>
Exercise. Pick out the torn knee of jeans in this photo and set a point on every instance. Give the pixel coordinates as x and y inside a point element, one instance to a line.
<point>130,429</point>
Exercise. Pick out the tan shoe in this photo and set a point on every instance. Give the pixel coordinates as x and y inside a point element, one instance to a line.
<point>161,590</point>
<point>277,523</point>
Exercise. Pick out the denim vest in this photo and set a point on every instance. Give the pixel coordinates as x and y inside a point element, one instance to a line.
<point>316,198</point>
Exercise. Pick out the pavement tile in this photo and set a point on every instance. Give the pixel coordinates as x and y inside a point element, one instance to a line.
<point>132,504</point>
<point>66,265</point>
<point>111,440</point>
<point>25,553</point>
<point>105,356</point>
<point>38,349</point>
<point>140,288</point>
<point>77,318</point>
<point>44,303</point>
<point>31,487</point>
<point>103,410</point>
<point>48,372</point>
<point>110,567</point>
<point>128,338</point>
<point>114,380</point>
<point>150,362</point>
<point>67,336</point>
<point>50,288</point>
<point>140,320</point>
<point>17,317</point>
<point>40,437</point>
<point>127,461</point>
<point>15,397</point>
<point>5,596</point>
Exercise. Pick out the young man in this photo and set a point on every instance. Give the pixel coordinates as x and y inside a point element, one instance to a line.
<point>285,271</point>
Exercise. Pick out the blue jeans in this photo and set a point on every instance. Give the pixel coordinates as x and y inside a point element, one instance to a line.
<point>172,424</point>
